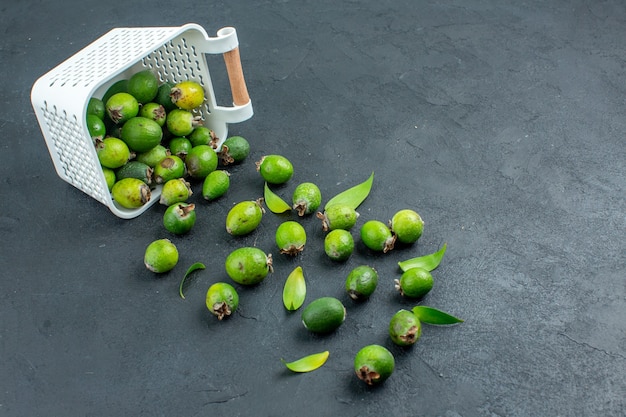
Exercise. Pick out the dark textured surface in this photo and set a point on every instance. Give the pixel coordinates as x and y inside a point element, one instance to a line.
<point>502,123</point>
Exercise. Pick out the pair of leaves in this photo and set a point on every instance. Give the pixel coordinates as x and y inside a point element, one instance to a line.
<point>428,262</point>
<point>294,291</point>
<point>308,363</point>
<point>432,315</point>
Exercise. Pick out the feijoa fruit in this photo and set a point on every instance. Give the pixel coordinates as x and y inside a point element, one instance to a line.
<point>187,94</point>
<point>306,198</point>
<point>169,168</point>
<point>141,134</point>
<point>407,225</point>
<point>234,150</point>
<point>179,218</point>
<point>215,185</point>
<point>181,122</point>
<point>112,152</point>
<point>339,244</point>
<point>161,256</point>
<point>176,190</point>
<point>248,265</point>
<point>290,237</point>
<point>143,85</point>
<point>323,315</point>
<point>130,193</point>
<point>201,160</point>
<point>361,282</point>
<point>405,328</point>
<point>339,216</point>
<point>121,107</point>
<point>415,282</point>
<point>244,217</point>
<point>222,299</point>
<point>374,364</point>
<point>275,169</point>
<point>377,236</point>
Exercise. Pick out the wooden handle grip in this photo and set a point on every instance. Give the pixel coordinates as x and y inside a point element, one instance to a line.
<point>235,76</point>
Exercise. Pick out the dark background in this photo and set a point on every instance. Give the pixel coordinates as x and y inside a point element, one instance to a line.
<point>501,122</point>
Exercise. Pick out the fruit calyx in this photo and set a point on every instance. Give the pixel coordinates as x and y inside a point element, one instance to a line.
<point>270,261</point>
<point>184,210</point>
<point>292,250</point>
<point>225,156</point>
<point>390,243</point>
<point>324,219</point>
<point>367,376</point>
<point>221,310</point>
<point>115,113</point>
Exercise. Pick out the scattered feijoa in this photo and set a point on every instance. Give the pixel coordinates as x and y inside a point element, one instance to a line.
<point>170,167</point>
<point>290,237</point>
<point>339,216</point>
<point>201,160</point>
<point>407,225</point>
<point>130,193</point>
<point>275,169</point>
<point>377,236</point>
<point>202,135</point>
<point>222,299</point>
<point>405,328</point>
<point>339,244</point>
<point>179,218</point>
<point>248,265</point>
<point>161,256</point>
<point>361,282</point>
<point>306,198</point>
<point>244,217</point>
<point>415,282</point>
<point>374,364</point>
<point>234,150</point>
<point>323,315</point>
<point>215,185</point>
<point>176,190</point>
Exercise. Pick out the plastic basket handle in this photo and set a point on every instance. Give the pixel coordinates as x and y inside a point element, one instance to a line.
<point>238,87</point>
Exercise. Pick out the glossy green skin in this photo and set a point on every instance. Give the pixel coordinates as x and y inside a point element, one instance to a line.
<point>275,169</point>
<point>143,85</point>
<point>323,315</point>
<point>95,106</point>
<point>169,168</point>
<point>339,217</point>
<point>377,236</point>
<point>339,244</point>
<point>290,237</point>
<point>161,256</point>
<point>361,282</point>
<point>201,160</point>
<point>201,135</point>
<point>222,299</point>
<point>112,152</point>
<point>374,364</point>
<point>96,127</point>
<point>179,218</point>
<point>407,225</point>
<point>141,134</point>
<point>215,185</point>
<point>306,198</point>
<point>153,156</point>
<point>405,328</point>
<point>130,193</point>
<point>121,107</point>
<point>176,190</point>
<point>109,176</point>
<point>163,96</point>
<point>243,218</point>
<point>180,146</point>
<point>180,122</point>
<point>234,150</point>
<point>416,282</point>
<point>135,169</point>
<point>248,265</point>
<point>154,111</point>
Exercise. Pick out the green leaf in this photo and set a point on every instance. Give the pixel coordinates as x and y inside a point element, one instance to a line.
<point>431,315</point>
<point>294,290</point>
<point>274,202</point>
<point>184,283</point>
<point>354,196</point>
<point>428,262</point>
<point>308,363</point>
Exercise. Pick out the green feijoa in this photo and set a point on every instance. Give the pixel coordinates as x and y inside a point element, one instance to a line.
<point>112,152</point>
<point>135,169</point>
<point>161,256</point>
<point>153,111</point>
<point>176,190</point>
<point>244,217</point>
<point>181,122</point>
<point>405,328</point>
<point>222,300</point>
<point>290,237</point>
<point>202,135</point>
<point>120,86</point>
<point>415,283</point>
<point>248,265</point>
<point>306,198</point>
<point>377,236</point>
<point>143,85</point>
<point>339,244</point>
<point>275,169</point>
<point>141,134</point>
<point>215,185</point>
<point>153,156</point>
<point>109,177</point>
<point>234,150</point>
<point>130,193</point>
<point>95,106</point>
<point>338,216</point>
<point>201,160</point>
<point>169,168</point>
<point>121,107</point>
<point>163,96</point>
<point>323,315</point>
<point>374,364</point>
<point>96,127</point>
<point>361,282</point>
<point>179,218</point>
<point>407,225</point>
<point>180,146</point>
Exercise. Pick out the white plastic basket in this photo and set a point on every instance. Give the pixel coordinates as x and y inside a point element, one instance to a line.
<point>60,97</point>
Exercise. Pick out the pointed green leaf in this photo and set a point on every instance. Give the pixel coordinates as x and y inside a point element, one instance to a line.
<point>274,202</point>
<point>354,196</point>
<point>430,315</point>
<point>184,283</point>
<point>428,262</point>
<point>308,363</point>
<point>294,290</point>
